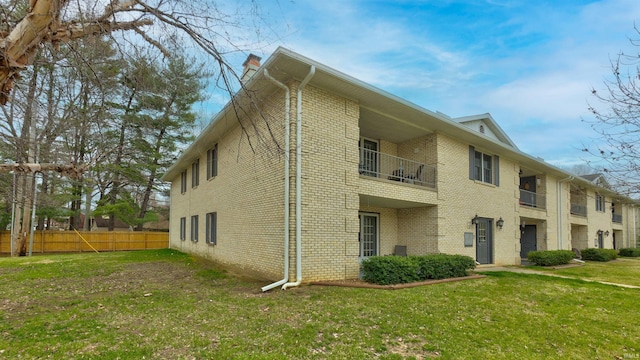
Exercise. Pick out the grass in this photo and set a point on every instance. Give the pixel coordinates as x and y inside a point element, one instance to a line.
<point>167,305</point>
<point>621,270</point>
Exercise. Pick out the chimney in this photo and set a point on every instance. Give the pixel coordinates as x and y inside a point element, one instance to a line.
<point>251,65</point>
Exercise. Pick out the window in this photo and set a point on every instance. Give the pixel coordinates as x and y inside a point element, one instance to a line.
<point>212,228</point>
<point>183,182</point>
<point>212,162</point>
<point>194,228</point>
<point>195,173</point>
<point>484,167</point>
<point>599,202</point>
<point>183,228</point>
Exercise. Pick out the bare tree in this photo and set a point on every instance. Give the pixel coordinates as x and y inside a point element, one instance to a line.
<point>618,123</point>
<point>202,23</point>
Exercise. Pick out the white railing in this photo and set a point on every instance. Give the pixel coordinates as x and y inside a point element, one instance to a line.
<point>531,199</point>
<point>616,218</point>
<point>385,166</point>
<point>578,209</point>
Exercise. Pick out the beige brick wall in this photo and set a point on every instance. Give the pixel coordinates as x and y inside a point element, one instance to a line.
<point>329,189</point>
<point>247,195</point>
<point>460,199</point>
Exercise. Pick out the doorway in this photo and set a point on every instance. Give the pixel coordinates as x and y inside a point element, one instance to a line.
<point>369,232</point>
<point>528,240</point>
<point>484,241</point>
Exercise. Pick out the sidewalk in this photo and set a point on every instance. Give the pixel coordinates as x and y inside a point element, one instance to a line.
<point>483,269</point>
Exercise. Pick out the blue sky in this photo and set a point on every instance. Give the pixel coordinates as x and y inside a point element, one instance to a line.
<point>530,64</point>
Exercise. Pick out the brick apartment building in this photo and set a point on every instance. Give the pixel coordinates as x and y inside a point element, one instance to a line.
<point>319,170</point>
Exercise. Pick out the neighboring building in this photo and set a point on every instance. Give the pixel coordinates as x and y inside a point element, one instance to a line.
<point>377,175</point>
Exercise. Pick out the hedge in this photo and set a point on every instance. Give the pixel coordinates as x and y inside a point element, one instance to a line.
<point>599,254</point>
<point>550,257</point>
<point>386,270</point>
<point>630,252</point>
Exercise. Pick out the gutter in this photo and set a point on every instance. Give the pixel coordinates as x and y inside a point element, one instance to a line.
<point>559,227</point>
<point>287,164</point>
<point>304,82</point>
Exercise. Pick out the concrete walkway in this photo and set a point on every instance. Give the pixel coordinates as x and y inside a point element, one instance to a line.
<point>482,269</point>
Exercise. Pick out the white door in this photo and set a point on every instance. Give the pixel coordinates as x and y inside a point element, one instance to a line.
<point>368,235</point>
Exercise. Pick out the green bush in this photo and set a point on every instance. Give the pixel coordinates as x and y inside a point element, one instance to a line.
<point>550,257</point>
<point>599,254</point>
<point>386,270</point>
<point>630,252</point>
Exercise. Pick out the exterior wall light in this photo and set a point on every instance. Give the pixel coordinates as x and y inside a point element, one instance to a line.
<point>600,232</point>
<point>500,223</point>
<point>474,220</point>
<point>606,233</point>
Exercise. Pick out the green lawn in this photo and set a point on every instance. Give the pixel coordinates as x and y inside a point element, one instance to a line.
<point>621,270</point>
<point>167,305</point>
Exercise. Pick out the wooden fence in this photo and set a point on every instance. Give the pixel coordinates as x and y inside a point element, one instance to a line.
<point>70,241</point>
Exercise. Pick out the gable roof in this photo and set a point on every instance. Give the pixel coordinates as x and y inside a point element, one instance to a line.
<point>397,118</point>
<point>480,122</point>
<point>597,179</point>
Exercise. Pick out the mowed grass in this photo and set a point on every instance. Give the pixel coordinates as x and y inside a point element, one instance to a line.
<point>168,305</point>
<point>622,271</point>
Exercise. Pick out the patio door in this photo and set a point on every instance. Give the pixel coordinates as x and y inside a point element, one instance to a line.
<point>368,157</point>
<point>368,234</point>
<point>484,241</point>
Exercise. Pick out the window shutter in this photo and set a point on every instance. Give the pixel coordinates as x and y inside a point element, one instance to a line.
<point>496,167</point>
<point>472,152</point>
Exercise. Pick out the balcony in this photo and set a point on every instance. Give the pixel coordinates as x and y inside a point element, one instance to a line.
<point>616,218</point>
<point>532,199</point>
<point>579,210</point>
<point>385,166</point>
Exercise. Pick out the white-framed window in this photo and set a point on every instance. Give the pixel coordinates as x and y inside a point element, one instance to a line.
<point>183,182</point>
<point>194,228</point>
<point>212,228</point>
<point>195,173</point>
<point>212,162</point>
<point>183,228</point>
<point>599,202</point>
<point>484,167</point>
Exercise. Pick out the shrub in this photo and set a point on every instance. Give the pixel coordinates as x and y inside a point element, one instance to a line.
<point>385,270</point>
<point>550,257</point>
<point>630,252</point>
<point>599,254</point>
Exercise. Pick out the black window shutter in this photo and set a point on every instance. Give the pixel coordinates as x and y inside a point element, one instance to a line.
<point>472,153</point>
<point>496,167</point>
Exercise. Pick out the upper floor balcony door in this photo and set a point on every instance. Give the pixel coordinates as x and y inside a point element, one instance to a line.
<point>369,162</point>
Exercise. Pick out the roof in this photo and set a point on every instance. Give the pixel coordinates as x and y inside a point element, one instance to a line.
<point>389,116</point>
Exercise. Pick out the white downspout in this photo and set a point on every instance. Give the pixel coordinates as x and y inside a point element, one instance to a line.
<point>287,163</point>
<point>304,82</point>
<point>559,226</point>
<point>635,239</point>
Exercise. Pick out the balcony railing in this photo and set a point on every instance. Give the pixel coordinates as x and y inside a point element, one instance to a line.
<point>385,166</point>
<point>616,218</point>
<point>578,209</point>
<point>531,199</point>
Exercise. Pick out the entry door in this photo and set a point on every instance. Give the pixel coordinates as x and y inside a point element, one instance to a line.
<point>484,241</point>
<point>528,241</point>
<point>368,235</point>
<point>600,240</point>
